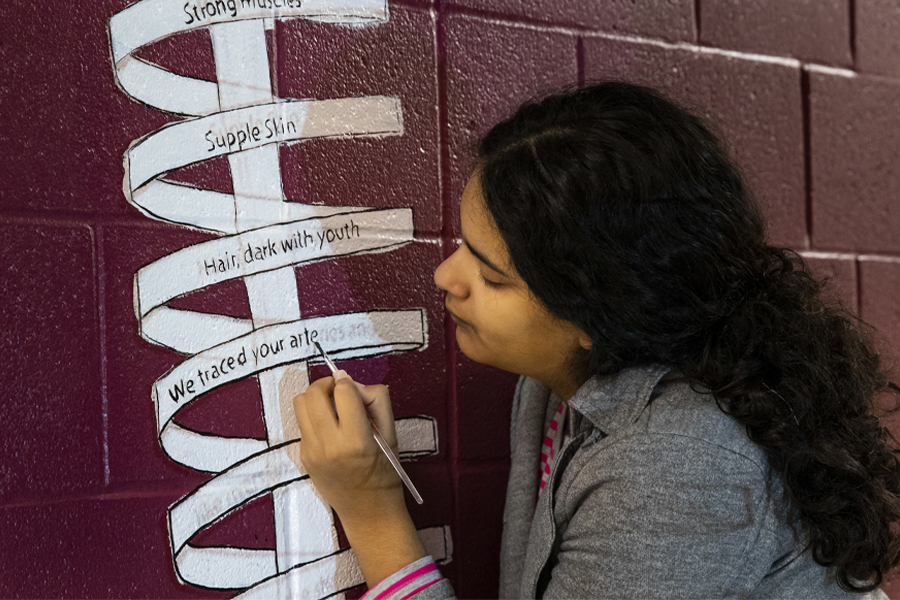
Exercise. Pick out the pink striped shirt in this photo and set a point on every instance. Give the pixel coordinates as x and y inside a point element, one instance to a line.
<point>553,441</point>
<point>406,582</point>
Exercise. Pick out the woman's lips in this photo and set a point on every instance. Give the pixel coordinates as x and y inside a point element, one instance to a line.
<point>459,322</point>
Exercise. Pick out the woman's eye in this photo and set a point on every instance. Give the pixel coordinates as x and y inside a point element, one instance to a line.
<point>488,282</point>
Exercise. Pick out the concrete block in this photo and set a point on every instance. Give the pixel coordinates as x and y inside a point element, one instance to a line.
<point>669,20</point>
<point>756,106</point>
<point>92,548</point>
<point>855,133</point>
<point>877,42</point>
<point>484,398</point>
<point>879,304</point>
<point>491,69</point>
<point>482,496</point>
<point>51,435</point>
<point>397,59</point>
<point>813,31</point>
<point>892,587</point>
<point>64,123</point>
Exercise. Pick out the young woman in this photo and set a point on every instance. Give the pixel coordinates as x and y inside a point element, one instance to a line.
<point>693,420</point>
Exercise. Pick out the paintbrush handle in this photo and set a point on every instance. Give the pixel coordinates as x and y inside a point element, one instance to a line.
<point>396,463</point>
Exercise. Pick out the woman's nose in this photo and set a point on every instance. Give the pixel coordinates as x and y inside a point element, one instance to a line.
<point>446,276</point>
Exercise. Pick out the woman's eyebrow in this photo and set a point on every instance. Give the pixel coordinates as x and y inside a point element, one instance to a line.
<point>483,258</point>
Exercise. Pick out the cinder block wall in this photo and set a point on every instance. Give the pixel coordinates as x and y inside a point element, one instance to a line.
<point>807,95</point>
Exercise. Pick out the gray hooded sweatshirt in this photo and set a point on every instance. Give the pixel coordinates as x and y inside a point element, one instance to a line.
<point>657,494</point>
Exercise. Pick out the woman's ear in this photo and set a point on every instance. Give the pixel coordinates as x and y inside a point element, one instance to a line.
<point>585,340</point>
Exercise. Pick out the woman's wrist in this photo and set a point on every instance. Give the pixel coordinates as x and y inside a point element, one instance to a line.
<point>384,543</point>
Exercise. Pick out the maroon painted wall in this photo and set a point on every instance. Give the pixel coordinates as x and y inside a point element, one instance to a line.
<point>806,93</point>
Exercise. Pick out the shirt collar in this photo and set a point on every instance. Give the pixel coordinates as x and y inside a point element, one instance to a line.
<point>612,402</point>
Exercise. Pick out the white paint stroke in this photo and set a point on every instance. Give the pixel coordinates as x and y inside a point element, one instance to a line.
<point>686,47</point>
<point>235,486</point>
<point>303,524</point>
<point>150,20</point>
<point>225,566</point>
<point>878,258</point>
<point>273,247</point>
<point>827,255</point>
<point>166,90</point>
<point>195,140</point>
<point>190,332</point>
<point>346,336</point>
<point>205,452</point>
<point>215,211</point>
<point>419,435</point>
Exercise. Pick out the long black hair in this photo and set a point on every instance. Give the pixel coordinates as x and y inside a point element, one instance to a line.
<point>625,216</point>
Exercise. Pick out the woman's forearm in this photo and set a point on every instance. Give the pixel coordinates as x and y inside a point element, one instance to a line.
<point>383,543</point>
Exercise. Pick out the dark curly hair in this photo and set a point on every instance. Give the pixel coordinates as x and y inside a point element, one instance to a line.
<point>625,216</point>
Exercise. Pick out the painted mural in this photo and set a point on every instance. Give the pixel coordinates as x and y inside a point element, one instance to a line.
<point>262,237</point>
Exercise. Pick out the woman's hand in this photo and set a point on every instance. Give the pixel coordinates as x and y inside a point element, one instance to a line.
<point>352,474</point>
<point>338,450</point>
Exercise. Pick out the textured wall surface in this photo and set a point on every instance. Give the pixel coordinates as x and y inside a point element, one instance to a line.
<point>806,93</point>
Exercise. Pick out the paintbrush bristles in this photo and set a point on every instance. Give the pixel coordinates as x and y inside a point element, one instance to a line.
<point>328,361</point>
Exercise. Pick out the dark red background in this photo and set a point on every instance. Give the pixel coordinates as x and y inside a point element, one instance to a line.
<point>807,95</point>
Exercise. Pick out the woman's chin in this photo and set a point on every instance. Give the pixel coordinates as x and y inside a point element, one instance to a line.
<point>472,350</point>
<point>465,343</point>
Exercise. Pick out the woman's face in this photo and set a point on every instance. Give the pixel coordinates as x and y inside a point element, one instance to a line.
<point>498,321</point>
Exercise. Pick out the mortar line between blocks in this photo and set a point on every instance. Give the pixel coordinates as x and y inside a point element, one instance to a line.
<point>859,287</point>
<point>851,5</point>
<point>115,492</point>
<point>807,154</point>
<point>697,21</point>
<point>512,20</point>
<point>579,60</point>
<point>52,219</point>
<point>446,233</point>
<point>452,411</point>
<point>100,278</point>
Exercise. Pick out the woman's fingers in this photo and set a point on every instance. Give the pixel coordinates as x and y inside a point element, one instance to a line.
<point>351,409</point>
<point>357,403</point>
<point>348,418</point>
<point>314,409</point>
<point>378,406</point>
